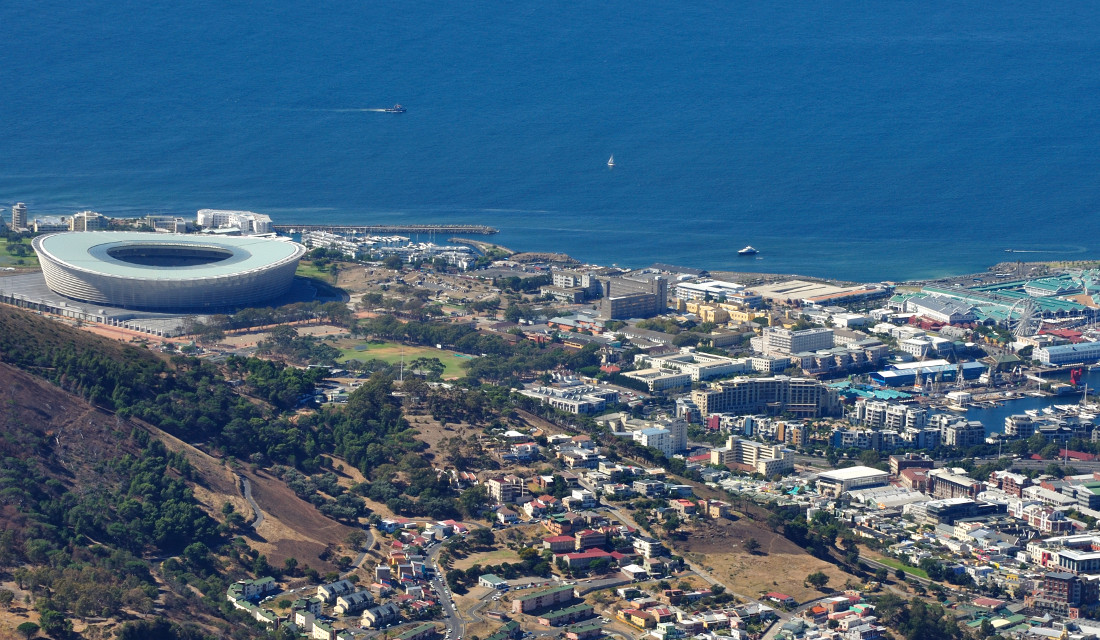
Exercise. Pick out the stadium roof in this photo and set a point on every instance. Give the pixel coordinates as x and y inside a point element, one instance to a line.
<point>89,251</point>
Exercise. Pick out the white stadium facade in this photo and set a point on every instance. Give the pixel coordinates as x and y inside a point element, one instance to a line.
<point>167,272</point>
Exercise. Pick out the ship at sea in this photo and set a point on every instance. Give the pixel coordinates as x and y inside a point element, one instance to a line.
<point>396,109</point>
<point>748,251</point>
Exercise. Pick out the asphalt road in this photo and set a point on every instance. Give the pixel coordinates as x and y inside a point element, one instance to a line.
<point>454,623</point>
<point>367,544</point>
<point>246,491</point>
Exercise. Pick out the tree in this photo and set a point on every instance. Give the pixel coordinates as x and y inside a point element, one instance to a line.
<point>899,574</point>
<point>28,629</point>
<point>6,597</point>
<point>752,546</point>
<point>817,580</point>
<point>393,262</point>
<point>881,574</point>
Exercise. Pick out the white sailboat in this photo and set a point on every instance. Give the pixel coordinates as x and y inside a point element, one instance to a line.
<point>611,161</point>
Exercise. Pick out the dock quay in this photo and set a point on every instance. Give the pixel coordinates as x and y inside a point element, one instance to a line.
<point>385,229</point>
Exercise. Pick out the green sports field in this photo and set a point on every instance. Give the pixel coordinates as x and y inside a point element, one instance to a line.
<point>391,352</point>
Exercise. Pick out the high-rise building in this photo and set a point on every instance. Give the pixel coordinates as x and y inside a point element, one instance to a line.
<point>636,296</point>
<point>19,216</point>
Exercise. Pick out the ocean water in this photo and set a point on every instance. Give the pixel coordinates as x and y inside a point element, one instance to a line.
<point>854,139</point>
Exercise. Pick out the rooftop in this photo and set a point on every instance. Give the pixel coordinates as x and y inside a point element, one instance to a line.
<point>852,473</point>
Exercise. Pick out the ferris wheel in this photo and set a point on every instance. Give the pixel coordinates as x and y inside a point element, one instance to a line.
<point>1021,318</point>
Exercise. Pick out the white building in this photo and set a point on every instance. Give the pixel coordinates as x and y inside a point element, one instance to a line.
<point>659,379</point>
<point>707,290</point>
<point>656,437</point>
<point>247,221</point>
<point>87,221</point>
<point>767,460</point>
<point>1083,352</point>
<point>778,340</point>
<point>580,400</point>
<point>19,216</point>
<point>698,365</point>
<point>835,483</point>
<point>941,309</point>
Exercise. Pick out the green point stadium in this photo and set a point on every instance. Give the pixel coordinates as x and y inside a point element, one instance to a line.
<point>167,272</point>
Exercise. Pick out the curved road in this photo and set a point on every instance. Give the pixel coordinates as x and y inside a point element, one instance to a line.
<point>246,491</point>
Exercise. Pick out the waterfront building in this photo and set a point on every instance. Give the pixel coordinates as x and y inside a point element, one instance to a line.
<point>247,222</point>
<point>87,221</point>
<point>170,224</point>
<point>881,414</point>
<point>943,310</point>
<point>1081,353</point>
<point>19,216</point>
<point>1019,426</point>
<point>958,432</point>
<point>50,223</point>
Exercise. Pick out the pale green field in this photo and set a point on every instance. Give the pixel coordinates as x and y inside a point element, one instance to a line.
<point>391,352</point>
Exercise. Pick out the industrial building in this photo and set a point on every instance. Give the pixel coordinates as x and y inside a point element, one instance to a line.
<point>928,372</point>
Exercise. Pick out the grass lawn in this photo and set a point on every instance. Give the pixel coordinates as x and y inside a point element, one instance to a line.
<point>391,352</point>
<point>490,557</point>
<point>897,564</point>
<point>307,269</point>
<point>9,260</point>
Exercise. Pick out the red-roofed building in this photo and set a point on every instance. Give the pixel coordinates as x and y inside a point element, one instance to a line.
<point>458,526</point>
<point>683,506</point>
<point>582,559</point>
<point>781,598</point>
<point>988,603</point>
<point>914,479</point>
<point>560,544</point>
<point>1071,335</point>
<point>1080,456</point>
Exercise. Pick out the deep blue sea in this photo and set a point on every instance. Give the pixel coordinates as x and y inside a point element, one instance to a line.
<point>862,140</point>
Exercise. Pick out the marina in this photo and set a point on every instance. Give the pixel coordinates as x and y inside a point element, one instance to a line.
<point>475,229</point>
